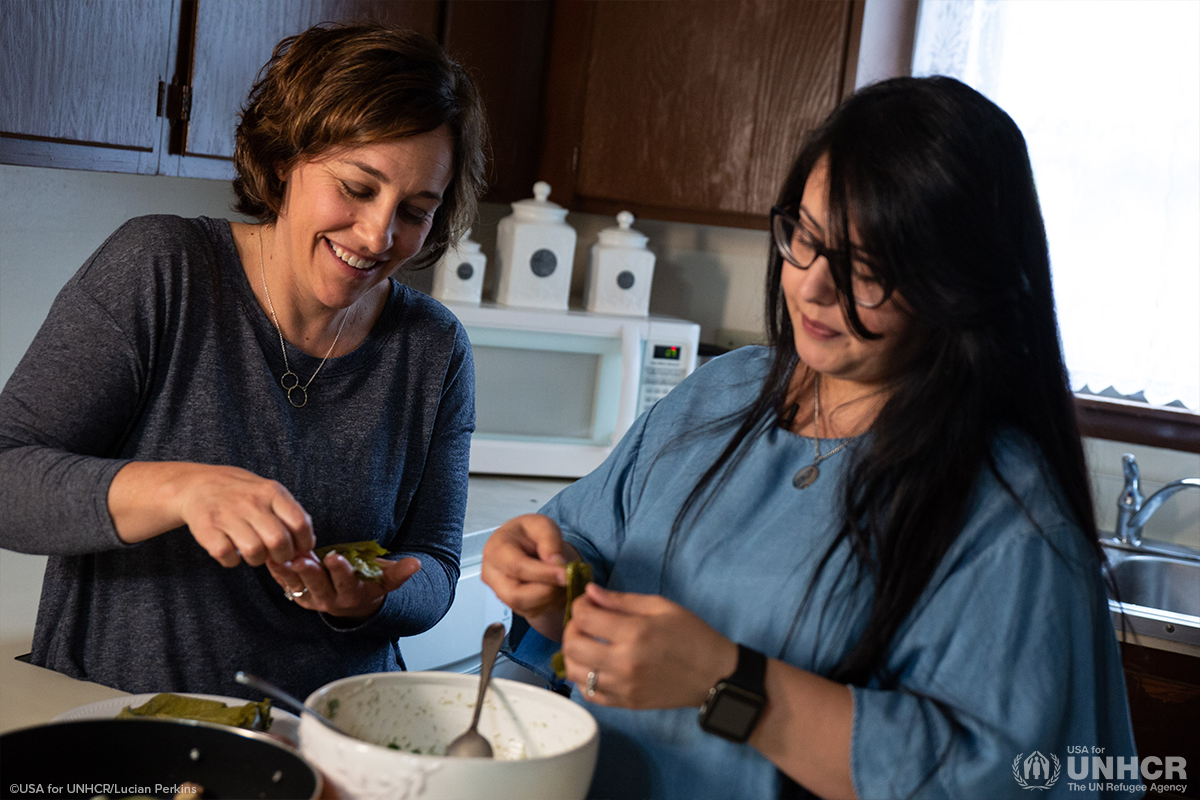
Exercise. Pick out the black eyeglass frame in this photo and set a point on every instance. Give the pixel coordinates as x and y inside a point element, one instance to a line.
<point>785,250</point>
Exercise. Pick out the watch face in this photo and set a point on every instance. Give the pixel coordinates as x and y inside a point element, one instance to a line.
<point>732,712</point>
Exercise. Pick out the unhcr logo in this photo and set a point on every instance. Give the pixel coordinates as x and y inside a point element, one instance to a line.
<point>1035,771</point>
<point>1090,769</point>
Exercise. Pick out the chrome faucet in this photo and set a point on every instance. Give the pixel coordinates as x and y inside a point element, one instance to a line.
<point>1134,510</point>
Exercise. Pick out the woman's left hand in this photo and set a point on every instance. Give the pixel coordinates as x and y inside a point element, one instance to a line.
<point>334,588</point>
<point>645,651</point>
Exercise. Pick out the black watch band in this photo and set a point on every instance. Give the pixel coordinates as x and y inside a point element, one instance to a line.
<point>736,703</point>
<point>751,671</point>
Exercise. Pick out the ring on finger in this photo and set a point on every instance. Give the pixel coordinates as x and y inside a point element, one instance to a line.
<point>590,687</point>
<point>294,596</point>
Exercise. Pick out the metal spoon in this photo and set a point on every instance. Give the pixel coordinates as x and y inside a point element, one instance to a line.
<point>471,744</point>
<point>279,694</point>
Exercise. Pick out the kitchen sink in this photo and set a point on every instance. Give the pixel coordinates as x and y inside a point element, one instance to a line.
<point>1157,591</point>
<point>1157,582</point>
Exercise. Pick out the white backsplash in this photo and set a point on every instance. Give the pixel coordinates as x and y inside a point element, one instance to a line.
<point>702,273</point>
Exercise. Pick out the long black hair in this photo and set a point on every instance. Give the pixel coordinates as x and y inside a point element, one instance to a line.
<point>937,182</point>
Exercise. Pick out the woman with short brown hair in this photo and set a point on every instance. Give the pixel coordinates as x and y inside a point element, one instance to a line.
<point>333,87</point>
<point>209,401</point>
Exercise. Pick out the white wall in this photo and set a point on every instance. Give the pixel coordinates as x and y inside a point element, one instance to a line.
<point>52,220</point>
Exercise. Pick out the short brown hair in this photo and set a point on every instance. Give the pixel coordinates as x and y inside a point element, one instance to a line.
<point>335,85</point>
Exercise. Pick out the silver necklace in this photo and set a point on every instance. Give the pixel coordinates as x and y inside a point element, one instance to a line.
<point>807,476</point>
<point>294,386</point>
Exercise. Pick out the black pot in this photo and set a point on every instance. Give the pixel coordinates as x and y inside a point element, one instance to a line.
<point>119,757</point>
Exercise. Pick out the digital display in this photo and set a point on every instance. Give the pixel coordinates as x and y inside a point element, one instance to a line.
<point>732,714</point>
<point>666,351</point>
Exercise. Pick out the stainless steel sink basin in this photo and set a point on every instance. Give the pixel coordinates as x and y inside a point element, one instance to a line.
<point>1157,582</point>
<point>1158,588</point>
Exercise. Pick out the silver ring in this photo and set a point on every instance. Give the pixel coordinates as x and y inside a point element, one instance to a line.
<point>294,596</point>
<point>590,687</point>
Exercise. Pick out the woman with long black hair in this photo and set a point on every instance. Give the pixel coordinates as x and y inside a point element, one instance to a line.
<point>867,551</point>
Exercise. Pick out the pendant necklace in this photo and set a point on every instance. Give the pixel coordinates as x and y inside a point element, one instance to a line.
<point>300,399</point>
<point>807,476</point>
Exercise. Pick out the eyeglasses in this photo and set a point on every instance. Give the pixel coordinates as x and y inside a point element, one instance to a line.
<point>801,250</point>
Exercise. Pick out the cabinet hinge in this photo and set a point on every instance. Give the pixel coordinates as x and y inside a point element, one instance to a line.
<point>174,101</point>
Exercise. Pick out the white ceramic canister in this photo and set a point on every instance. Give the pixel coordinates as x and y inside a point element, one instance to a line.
<point>458,277</point>
<point>620,271</point>
<point>535,251</point>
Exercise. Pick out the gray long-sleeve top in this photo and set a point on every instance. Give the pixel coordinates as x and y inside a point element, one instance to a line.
<point>157,350</point>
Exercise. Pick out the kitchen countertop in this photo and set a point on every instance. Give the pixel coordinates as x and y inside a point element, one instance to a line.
<point>494,499</point>
<point>32,695</point>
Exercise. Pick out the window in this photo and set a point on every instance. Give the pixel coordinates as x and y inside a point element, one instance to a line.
<point>1108,97</point>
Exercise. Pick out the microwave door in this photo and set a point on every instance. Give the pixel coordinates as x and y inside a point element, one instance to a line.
<point>546,403</point>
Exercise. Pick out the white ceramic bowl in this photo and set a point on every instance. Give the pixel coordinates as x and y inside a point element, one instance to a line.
<point>545,745</point>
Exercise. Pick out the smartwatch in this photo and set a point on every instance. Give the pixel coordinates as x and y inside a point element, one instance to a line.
<point>735,704</point>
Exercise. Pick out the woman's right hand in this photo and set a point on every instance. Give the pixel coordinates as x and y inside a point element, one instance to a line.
<point>232,513</point>
<point>524,562</point>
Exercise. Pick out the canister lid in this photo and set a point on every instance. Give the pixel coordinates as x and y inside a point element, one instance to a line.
<point>465,245</point>
<point>539,209</point>
<point>623,235</point>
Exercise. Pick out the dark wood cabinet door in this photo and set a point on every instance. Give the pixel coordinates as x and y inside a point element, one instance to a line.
<point>235,38</point>
<point>80,79</point>
<point>1164,707</point>
<point>676,110</point>
<point>684,110</point>
<point>503,44</point>
<point>79,82</point>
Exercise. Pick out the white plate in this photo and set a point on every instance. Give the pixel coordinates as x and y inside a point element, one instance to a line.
<point>283,723</point>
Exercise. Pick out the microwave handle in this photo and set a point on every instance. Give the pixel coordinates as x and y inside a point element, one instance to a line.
<point>631,378</point>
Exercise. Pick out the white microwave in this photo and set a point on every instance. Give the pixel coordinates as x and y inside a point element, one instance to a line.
<point>555,390</point>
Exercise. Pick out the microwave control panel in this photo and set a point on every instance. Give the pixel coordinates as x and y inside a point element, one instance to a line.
<point>664,365</point>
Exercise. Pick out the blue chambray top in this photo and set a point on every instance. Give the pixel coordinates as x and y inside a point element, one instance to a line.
<point>1009,651</point>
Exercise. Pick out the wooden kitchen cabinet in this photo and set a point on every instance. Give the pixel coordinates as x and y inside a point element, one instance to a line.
<point>81,77</point>
<point>675,110</point>
<point>149,86</point>
<point>1164,705</point>
<point>503,44</point>
<point>689,111</point>
<point>97,84</point>
<point>234,38</point>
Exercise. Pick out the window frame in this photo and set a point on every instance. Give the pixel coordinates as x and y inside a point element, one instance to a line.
<point>1138,423</point>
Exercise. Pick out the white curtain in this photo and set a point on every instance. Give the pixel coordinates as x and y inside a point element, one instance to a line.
<point>1107,93</point>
